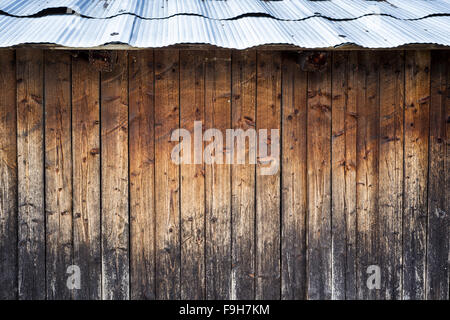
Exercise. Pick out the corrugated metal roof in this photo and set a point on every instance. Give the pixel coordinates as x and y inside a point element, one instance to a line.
<point>230,9</point>
<point>238,24</point>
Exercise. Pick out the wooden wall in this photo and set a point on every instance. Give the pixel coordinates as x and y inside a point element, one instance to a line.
<point>87,180</point>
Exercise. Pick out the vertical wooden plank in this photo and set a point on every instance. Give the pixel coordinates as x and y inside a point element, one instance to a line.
<point>86,176</point>
<point>8,177</point>
<point>167,207</point>
<point>340,216</point>
<point>447,160</point>
<point>351,125</point>
<point>114,189</point>
<point>268,116</point>
<point>192,108</point>
<point>391,172</point>
<point>367,151</point>
<point>218,178</point>
<point>243,178</point>
<point>319,184</point>
<point>293,150</point>
<point>142,167</point>
<point>343,205</point>
<point>438,193</point>
<point>417,107</point>
<point>30,155</point>
<point>58,173</point>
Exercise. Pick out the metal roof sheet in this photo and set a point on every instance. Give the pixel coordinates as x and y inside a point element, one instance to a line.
<point>230,9</point>
<point>317,32</point>
<point>227,24</point>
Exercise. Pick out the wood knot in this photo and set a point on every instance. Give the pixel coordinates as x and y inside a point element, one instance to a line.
<point>314,61</point>
<point>95,151</point>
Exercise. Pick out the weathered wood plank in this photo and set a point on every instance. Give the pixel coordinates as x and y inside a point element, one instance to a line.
<point>114,167</point>
<point>367,152</point>
<point>358,169</point>
<point>8,177</point>
<point>218,177</point>
<point>447,160</point>
<point>192,108</point>
<point>391,172</point>
<point>167,175</point>
<point>58,173</point>
<point>142,170</point>
<point>319,184</point>
<point>86,177</point>
<point>268,116</point>
<point>243,177</point>
<point>438,194</point>
<point>293,180</point>
<point>343,146</point>
<point>351,124</point>
<point>30,156</point>
<point>417,108</point>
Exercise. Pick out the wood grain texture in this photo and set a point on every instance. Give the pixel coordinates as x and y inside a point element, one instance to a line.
<point>268,116</point>
<point>367,155</point>
<point>58,173</point>
<point>343,146</point>
<point>243,178</point>
<point>8,177</point>
<point>447,161</point>
<point>30,158</point>
<point>390,173</point>
<point>351,124</point>
<point>86,177</point>
<point>417,111</point>
<point>319,184</point>
<point>218,178</point>
<point>167,198</point>
<point>437,279</point>
<point>192,108</point>
<point>142,174</point>
<point>114,167</point>
<point>293,179</point>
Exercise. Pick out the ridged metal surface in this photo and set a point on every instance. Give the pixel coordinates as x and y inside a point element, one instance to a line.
<point>229,9</point>
<point>212,25</point>
<point>368,32</point>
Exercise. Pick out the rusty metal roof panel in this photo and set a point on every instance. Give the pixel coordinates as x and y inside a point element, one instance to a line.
<point>232,9</point>
<point>72,31</point>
